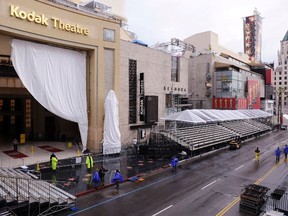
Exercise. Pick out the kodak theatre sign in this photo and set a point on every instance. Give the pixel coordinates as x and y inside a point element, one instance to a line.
<point>41,19</point>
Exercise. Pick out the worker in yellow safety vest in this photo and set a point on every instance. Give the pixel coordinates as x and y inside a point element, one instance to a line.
<point>54,162</point>
<point>89,162</point>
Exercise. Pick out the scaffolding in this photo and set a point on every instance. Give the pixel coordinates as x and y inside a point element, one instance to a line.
<point>174,47</point>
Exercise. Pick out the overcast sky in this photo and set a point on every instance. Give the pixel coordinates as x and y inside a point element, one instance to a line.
<point>160,20</point>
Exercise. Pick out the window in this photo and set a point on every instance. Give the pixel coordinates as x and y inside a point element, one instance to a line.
<point>109,35</point>
<point>175,66</point>
<point>132,91</point>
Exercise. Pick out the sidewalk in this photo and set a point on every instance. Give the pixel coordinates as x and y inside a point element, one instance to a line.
<point>34,154</point>
<point>73,177</point>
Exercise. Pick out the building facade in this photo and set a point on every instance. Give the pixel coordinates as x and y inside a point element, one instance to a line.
<point>65,25</point>
<point>222,79</point>
<point>148,88</point>
<point>280,77</point>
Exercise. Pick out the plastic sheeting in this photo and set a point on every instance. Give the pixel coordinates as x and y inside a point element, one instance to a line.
<point>112,137</point>
<point>56,78</point>
<point>185,116</point>
<point>197,116</point>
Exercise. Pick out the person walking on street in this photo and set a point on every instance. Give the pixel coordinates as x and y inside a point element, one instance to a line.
<point>286,152</point>
<point>102,171</point>
<point>117,178</point>
<point>277,154</point>
<point>257,154</point>
<point>89,162</point>
<point>96,178</point>
<point>174,163</point>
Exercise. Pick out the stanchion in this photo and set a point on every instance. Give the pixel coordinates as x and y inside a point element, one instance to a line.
<point>38,167</point>
<point>69,144</point>
<point>78,152</point>
<point>32,149</point>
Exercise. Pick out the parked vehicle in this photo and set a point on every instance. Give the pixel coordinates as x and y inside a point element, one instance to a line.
<point>235,144</point>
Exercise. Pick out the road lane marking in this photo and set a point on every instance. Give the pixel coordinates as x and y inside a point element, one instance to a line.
<point>162,210</point>
<point>208,185</point>
<point>237,199</point>
<point>239,167</point>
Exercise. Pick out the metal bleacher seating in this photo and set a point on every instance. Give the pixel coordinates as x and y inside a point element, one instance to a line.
<point>202,136</point>
<point>21,194</point>
<point>195,137</point>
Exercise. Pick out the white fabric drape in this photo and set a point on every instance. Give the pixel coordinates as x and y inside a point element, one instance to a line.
<point>56,78</point>
<point>112,137</point>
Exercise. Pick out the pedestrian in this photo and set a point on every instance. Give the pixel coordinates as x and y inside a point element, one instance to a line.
<point>135,145</point>
<point>174,163</point>
<point>53,161</point>
<point>286,151</point>
<point>15,144</point>
<point>277,154</point>
<point>96,178</point>
<point>89,162</point>
<point>117,178</point>
<point>102,171</point>
<point>257,154</point>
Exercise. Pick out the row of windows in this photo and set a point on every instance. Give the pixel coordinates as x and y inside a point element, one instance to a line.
<point>280,78</point>
<point>285,62</point>
<point>280,73</point>
<point>280,83</point>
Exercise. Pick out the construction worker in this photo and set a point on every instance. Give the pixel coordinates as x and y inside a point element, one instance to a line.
<point>257,154</point>
<point>54,162</point>
<point>89,162</point>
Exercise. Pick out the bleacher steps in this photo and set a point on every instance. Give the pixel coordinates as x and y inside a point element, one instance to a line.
<point>21,191</point>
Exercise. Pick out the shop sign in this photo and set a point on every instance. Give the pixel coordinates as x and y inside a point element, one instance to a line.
<point>41,19</point>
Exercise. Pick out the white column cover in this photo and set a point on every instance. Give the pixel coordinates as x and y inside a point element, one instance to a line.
<point>56,78</point>
<point>112,136</point>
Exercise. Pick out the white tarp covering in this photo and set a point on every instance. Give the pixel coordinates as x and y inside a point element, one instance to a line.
<point>56,78</point>
<point>285,116</point>
<point>112,137</point>
<point>185,116</point>
<point>209,116</point>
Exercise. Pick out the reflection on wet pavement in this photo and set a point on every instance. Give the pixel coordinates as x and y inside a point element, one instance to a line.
<point>74,177</point>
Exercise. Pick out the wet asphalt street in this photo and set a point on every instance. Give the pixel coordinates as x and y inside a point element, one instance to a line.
<point>207,185</point>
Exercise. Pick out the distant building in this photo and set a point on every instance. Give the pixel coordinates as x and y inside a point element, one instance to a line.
<point>221,79</point>
<point>252,26</point>
<point>280,75</point>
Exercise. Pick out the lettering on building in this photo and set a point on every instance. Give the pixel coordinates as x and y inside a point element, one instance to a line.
<point>41,19</point>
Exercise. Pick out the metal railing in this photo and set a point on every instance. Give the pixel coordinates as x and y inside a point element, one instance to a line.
<point>25,191</point>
